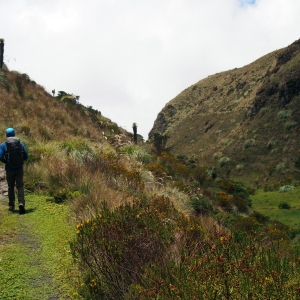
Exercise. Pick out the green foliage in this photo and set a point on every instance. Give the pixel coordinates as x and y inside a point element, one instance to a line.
<point>115,246</point>
<point>239,167</point>
<point>284,205</point>
<point>201,206</point>
<point>290,125</point>
<point>230,91</point>
<point>225,201</point>
<point>138,153</point>
<point>263,111</point>
<point>223,161</point>
<point>262,219</point>
<point>271,144</point>
<point>286,188</point>
<point>246,224</point>
<point>280,167</point>
<point>241,204</point>
<point>76,144</point>
<point>114,126</point>
<point>199,174</point>
<point>249,143</point>
<point>218,265</point>
<point>226,142</point>
<point>159,141</point>
<point>284,114</point>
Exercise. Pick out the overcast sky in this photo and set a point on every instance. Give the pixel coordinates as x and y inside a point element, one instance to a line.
<point>128,58</point>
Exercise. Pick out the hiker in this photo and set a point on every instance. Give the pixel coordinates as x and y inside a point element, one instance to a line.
<point>13,153</point>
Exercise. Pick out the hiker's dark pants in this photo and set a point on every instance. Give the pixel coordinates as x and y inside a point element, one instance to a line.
<point>15,179</point>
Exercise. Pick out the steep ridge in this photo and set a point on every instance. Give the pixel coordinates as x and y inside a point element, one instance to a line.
<point>242,121</point>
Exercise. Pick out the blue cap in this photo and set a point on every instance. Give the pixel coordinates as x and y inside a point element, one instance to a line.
<point>10,132</point>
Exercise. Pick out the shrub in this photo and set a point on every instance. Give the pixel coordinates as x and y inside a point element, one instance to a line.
<point>271,144</point>
<point>199,174</point>
<point>223,161</point>
<point>226,143</point>
<point>115,246</point>
<point>280,167</point>
<point>246,224</point>
<point>290,125</point>
<point>249,143</point>
<point>224,200</point>
<point>201,206</point>
<point>218,265</point>
<point>239,167</point>
<point>217,155</point>
<point>284,205</point>
<point>260,217</point>
<point>297,163</point>
<point>208,193</point>
<point>284,114</point>
<point>230,91</point>
<point>286,188</point>
<point>263,111</point>
<point>240,203</point>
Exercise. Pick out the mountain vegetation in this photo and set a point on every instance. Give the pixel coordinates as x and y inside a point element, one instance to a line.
<point>145,223</point>
<point>242,122</point>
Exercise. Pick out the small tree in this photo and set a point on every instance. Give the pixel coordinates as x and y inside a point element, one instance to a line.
<point>159,142</point>
<point>134,127</point>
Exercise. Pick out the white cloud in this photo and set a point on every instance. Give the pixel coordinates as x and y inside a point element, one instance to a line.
<point>129,58</point>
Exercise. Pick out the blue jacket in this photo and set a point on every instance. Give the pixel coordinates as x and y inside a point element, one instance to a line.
<point>3,157</point>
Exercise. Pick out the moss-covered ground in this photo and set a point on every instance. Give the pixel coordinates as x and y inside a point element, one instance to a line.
<point>35,259</point>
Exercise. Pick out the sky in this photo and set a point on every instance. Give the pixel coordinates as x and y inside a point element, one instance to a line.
<point>128,58</point>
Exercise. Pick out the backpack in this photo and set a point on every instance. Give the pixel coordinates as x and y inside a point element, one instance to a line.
<point>14,152</point>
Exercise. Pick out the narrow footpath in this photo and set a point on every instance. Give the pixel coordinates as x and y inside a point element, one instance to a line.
<point>35,258</point>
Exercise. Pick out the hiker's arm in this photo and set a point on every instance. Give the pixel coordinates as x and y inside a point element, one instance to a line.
<point>2,154</point>
<point>25,153</point>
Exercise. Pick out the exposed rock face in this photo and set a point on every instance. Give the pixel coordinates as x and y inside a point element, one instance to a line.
<point>220,113</point>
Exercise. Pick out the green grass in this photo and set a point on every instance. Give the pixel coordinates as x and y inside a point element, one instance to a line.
<point>267,203</point>
<point>35,259</point>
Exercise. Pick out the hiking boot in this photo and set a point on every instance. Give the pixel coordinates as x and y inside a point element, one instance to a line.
<point>21,209</point>
<point>11,209</point>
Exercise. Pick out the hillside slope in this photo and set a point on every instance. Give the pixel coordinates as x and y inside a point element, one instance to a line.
<point>33,112</point>
<point>242,121</point>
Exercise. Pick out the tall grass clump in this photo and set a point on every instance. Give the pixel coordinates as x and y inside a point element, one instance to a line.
<point>249,143</point>
<point>137,152</point>
<point>290,125</point>
<point>223,161</point>
<point>284,114</point>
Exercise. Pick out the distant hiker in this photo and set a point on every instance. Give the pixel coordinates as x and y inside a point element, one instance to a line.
<point>53,92</point>
<point>13,153</point>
